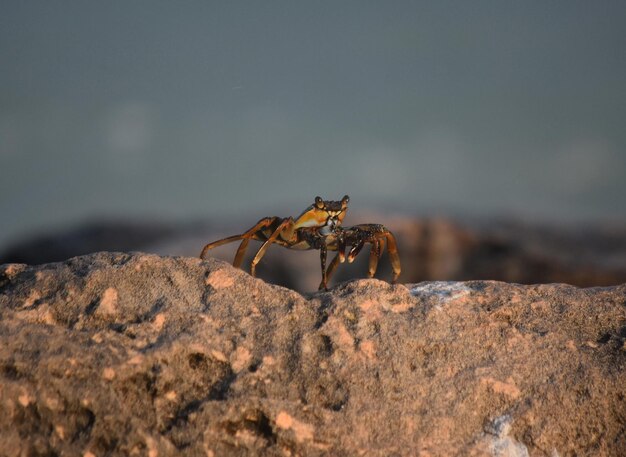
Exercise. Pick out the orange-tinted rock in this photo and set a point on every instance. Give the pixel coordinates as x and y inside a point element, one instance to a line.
<point>166,356</point>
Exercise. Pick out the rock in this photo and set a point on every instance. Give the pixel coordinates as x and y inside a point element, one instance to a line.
<point>136,354</point>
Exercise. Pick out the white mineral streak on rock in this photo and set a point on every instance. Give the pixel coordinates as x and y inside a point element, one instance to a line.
<point>444,291</point>
<point>502,445</point>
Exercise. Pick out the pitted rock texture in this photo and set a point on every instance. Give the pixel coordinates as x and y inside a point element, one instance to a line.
<point>135,354</point>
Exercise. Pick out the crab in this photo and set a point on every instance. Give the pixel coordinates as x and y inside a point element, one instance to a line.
<point>322,215</point>
<point>354,237</point>
<point>318,227</point>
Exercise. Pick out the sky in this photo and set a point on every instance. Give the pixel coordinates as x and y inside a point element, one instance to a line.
<point>203,110</point>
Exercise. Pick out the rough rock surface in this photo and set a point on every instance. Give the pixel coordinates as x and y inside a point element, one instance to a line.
<point>135,354</point>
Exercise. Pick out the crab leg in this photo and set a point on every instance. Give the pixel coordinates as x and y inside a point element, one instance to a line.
<point>394,258</point>
<point>339,258</point>
<point>381,249</point>
<point>323,251</point>
<point>374,256</point>
<point>241,250</point>
<point>217,243</point>
<point>329,271</point>
<point>285,226</point>
<point>246,236</point>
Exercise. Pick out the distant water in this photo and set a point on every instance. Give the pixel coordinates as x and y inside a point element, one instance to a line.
<point>219,111</point>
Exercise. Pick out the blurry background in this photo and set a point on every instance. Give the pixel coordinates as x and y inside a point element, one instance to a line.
<point>490,131</point>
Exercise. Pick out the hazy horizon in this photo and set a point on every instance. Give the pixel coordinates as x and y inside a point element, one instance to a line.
<point>213,110</point>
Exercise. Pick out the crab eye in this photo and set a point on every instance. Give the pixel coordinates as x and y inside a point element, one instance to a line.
<point>319,202</point>
<point>344,201</point>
